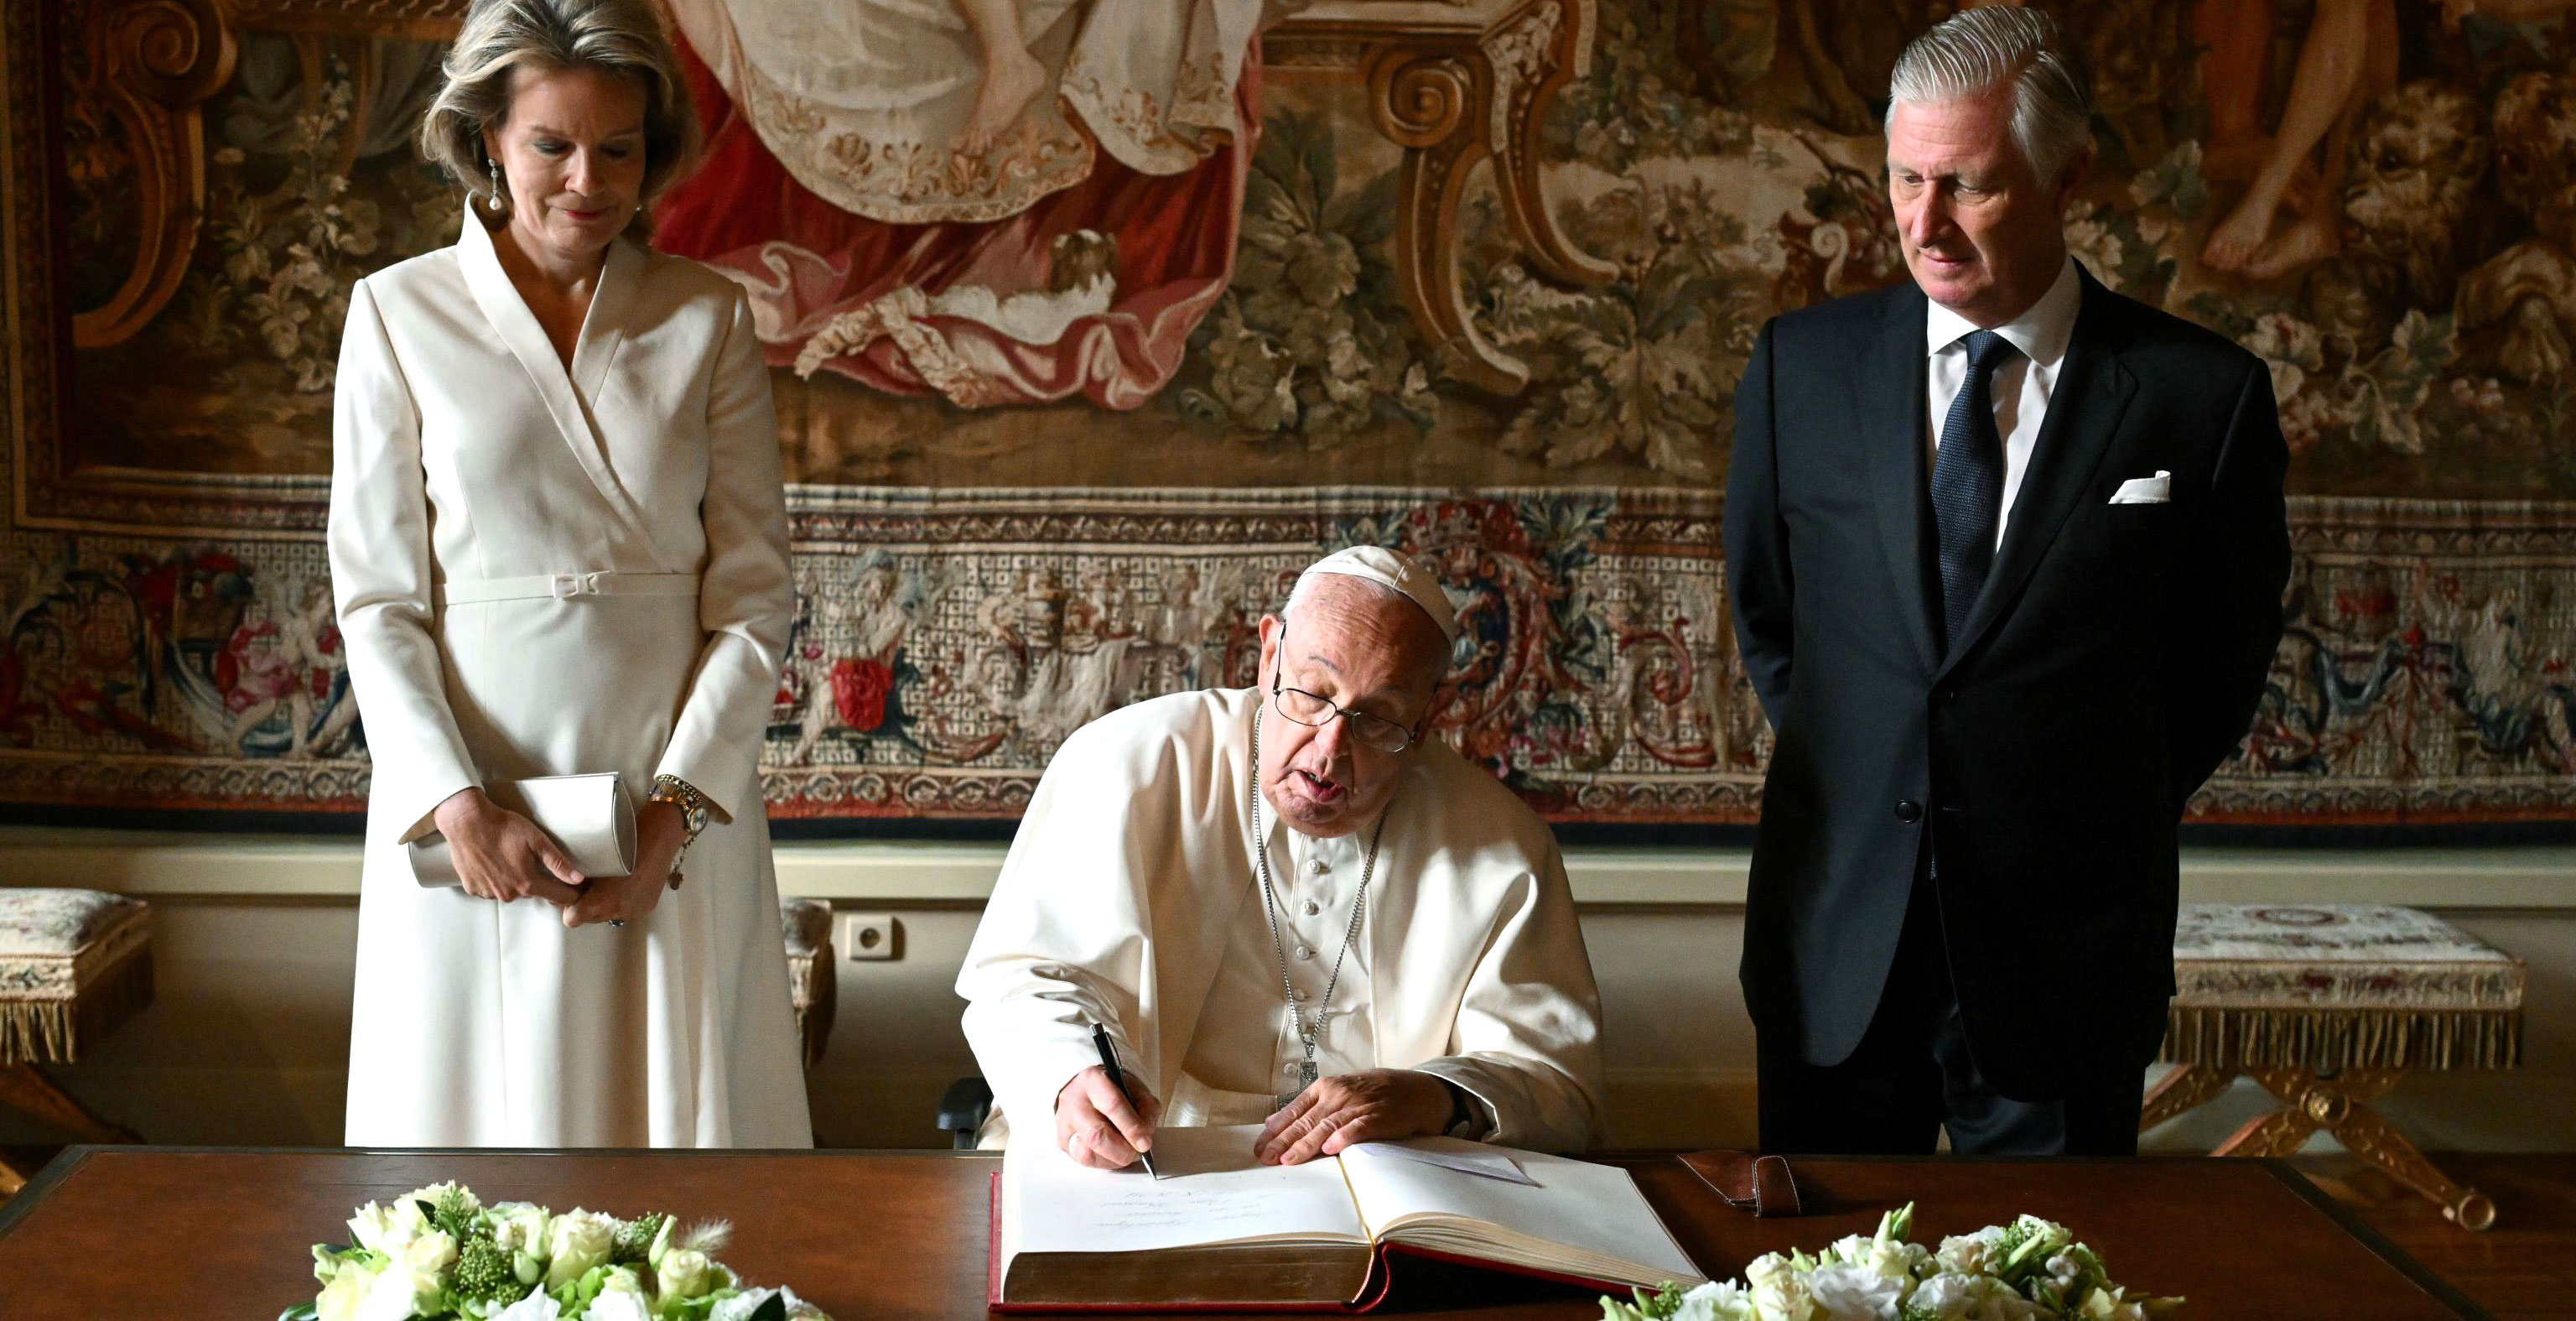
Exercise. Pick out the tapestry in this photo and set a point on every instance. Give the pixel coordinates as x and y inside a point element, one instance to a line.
<point>1083,346</point>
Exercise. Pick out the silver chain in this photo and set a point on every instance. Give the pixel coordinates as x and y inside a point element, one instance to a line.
<point>1271,913</point>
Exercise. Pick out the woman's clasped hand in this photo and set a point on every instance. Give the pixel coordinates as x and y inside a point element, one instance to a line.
<point>502,856</point>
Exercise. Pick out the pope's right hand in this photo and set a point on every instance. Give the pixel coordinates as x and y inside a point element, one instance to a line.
<point>499,854</point>
<point>1096,1126</point>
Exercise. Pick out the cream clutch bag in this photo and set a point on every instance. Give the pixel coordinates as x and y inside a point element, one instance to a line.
<point>589,817</point>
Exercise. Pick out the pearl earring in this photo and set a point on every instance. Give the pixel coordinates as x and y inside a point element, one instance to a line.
<point>495,197</point>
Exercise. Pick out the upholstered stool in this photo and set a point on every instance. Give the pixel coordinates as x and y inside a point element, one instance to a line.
<point>74,965</point>
<point>2328,1006</point>
<point>811,981</point>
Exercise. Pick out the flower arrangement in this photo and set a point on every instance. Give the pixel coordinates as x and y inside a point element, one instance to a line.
<point>440,1252</point>
<point>2029,1270</point>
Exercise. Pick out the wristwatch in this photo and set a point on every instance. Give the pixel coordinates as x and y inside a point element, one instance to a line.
<point>683,795</point>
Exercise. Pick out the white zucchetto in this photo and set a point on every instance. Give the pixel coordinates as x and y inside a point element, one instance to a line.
<point>1379,565</point>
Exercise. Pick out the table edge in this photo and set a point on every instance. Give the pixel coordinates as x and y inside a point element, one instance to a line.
<point>2442,1291</point>
<point>23,1202</point>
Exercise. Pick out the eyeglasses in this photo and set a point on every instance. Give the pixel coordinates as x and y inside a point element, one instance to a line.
<point>1307,709</point>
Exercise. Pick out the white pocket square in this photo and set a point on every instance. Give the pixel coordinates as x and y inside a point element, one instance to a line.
<point>2154,490</point>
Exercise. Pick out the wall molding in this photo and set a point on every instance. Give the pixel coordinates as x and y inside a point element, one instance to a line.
<point>202,865</point>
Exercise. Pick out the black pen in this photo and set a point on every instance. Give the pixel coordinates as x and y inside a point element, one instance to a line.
<point>1109,1061</point>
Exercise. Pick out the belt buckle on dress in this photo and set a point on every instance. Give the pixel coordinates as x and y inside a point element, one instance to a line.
<point>569,585</point>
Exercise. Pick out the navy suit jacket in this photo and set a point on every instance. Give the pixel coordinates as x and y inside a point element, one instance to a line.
<point>2112,661</point>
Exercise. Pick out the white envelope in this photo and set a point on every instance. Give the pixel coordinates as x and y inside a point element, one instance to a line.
<point>2154,490</point>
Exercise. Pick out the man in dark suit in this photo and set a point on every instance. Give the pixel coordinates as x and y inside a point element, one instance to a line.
<point>2006,551</point>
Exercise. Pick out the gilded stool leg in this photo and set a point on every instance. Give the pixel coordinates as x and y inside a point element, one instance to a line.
<point>24,1088</point>
<point>2366,1133</point>
<point>2281,1132</point>
<point>2188,1087</point>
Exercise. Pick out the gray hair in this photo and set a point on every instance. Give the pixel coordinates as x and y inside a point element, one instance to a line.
<point>1977,50</point>
<point>622,37</point>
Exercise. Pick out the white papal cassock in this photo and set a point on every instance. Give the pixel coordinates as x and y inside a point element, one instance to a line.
<point>1129,897</point>
<point>550,573</point>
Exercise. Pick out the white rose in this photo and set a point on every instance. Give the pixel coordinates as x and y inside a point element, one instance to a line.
<point>386,1229</point>
<point>1993,1300</point>
<point>1718,1300</point>
<point>576,1241</point>
<point>620,1306</point>
<point>1943,1297</point>
<point>403,1292</point>
<point>537,1306</point>
<point>1777,1292</point>
<point>1850,1291</point>
<point>686,1273</point>
<point>438,1192</point>
<point>520,1227</point>
<point>1970,1254</point>
<point>348,1287</point>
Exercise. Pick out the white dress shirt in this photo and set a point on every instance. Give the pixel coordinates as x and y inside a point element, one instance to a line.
<point>2021,383</point>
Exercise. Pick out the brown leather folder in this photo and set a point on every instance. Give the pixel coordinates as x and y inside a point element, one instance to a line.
<point>1759,1184</point>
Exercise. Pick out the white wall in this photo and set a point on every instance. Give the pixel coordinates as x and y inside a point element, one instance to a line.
<point>248,1043</point>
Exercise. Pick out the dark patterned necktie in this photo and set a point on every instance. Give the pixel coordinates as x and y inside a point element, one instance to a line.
<point>1968,484</point>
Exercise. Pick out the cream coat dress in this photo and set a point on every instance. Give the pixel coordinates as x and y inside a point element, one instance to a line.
<point>1129,898</point>
<point>542,572</point>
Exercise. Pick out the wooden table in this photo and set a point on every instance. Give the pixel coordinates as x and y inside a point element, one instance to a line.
<point>154,1232</point>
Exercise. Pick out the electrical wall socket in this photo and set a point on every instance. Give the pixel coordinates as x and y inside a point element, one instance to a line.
<point>870,936</point>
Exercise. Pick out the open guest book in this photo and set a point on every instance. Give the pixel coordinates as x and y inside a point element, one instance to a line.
<point>1220,1232</point>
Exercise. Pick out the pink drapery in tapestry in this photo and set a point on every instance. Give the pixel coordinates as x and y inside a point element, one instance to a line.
<point>1047,266</point>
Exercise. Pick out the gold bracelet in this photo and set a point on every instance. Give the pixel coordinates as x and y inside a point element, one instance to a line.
<point>683,795</point>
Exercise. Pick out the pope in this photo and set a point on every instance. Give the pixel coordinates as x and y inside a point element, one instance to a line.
<point>1290,905</point>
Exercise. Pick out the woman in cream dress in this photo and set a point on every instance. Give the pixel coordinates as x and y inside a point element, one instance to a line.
<point>558,542</point>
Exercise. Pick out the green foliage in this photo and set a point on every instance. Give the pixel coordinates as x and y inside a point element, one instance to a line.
<point>484,1273</point>
<point>1642,100</point>
<point>455,1213</point>
<point>1659,1305</point>
<point>1311,337</point>
<point>1645,366</point>
<point>634,1242</point>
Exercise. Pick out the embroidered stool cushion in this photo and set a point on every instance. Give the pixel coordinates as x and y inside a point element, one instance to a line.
<point>74,964</point>
<point>811,983</point>
<point>2339,986</point>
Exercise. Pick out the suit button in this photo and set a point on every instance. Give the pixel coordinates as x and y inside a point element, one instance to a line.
<point>1908,810</point>
<point>1947,697</point>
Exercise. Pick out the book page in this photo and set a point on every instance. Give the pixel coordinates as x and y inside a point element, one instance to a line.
<point>1593,1210</point>
<point>1212,1191</point>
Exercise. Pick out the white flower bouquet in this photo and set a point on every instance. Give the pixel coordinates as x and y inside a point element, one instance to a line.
<point>2029,1270</point>
<point>439,1252</point>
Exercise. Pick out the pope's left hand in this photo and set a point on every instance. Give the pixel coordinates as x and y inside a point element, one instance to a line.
<point>660,830</point>
<point>1351,1108</point>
